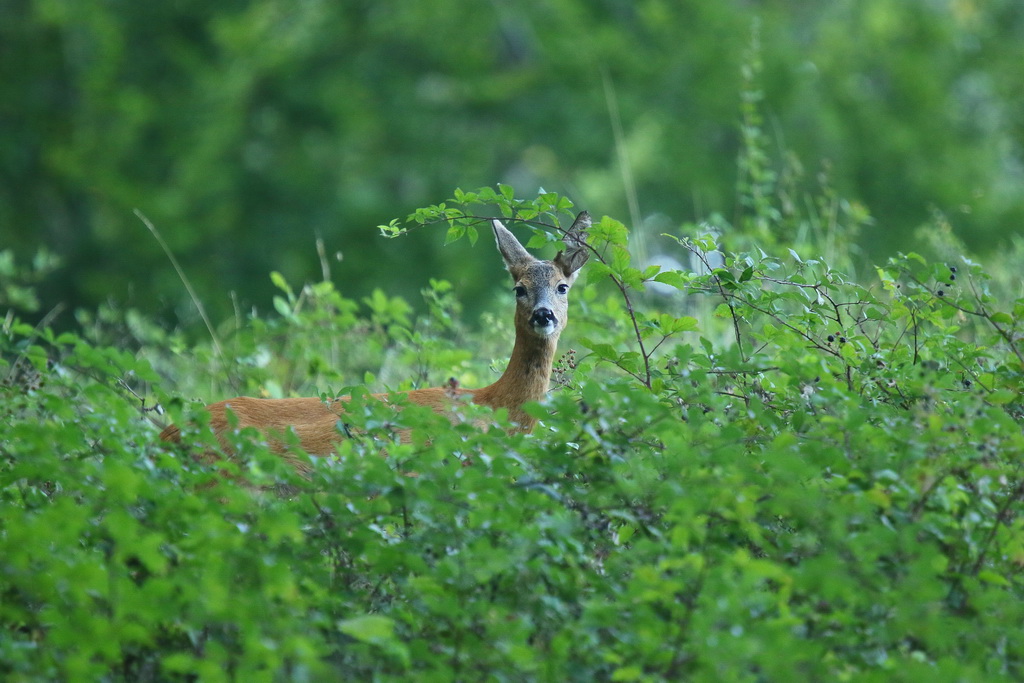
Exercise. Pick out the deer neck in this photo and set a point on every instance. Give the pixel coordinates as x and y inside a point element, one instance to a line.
<point>525,379</point>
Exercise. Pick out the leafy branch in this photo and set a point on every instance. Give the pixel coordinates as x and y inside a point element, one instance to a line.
<point>607,246</point>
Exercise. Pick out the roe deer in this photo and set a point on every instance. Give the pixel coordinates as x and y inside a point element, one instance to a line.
<point>541,290</point>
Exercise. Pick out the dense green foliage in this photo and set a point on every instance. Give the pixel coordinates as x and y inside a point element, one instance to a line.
<point>752,469</point>
<point>245,129</point>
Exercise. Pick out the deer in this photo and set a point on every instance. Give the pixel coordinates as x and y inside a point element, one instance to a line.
<point>541,291</point>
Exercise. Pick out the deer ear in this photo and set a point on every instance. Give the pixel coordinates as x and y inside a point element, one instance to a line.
<point>576,252</point>
<point>515,256</point>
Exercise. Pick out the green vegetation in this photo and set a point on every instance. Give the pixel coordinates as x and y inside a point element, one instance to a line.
<point>244,129</point>
<point>766,471</point>
<point>762,459</point>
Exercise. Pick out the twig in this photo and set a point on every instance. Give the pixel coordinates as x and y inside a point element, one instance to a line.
<point>725,295</point>
<point>1003,516</point>
<point>646,380</point>
<point>142,404</point>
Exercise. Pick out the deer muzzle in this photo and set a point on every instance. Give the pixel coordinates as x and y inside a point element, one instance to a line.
<point>544,320</point>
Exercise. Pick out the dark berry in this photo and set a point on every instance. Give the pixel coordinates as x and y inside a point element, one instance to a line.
<point>831,338</point>
<point>940,293</point>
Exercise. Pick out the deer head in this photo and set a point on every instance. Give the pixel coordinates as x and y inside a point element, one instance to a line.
<point>542,287</point>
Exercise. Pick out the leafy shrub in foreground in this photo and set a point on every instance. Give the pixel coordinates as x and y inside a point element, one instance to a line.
<point>817,480</point>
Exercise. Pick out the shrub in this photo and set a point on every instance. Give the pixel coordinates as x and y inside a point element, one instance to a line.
<point>810,479</point>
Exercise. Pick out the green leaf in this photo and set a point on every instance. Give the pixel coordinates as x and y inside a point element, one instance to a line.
<point>632,278</point>
<point>179,662</point>
<point>723,311</point>
<point>1002,396</point>
<point>454,233</point>
<point>724,275</point>
<point>369,628</point>
<point>281,283</point>
<point>994,578</point>
<point>487,195</point>
<point>624,533</point>
<point>620,258</point>
<point>538,240</point>
<point>596,270</point>
<point>603,351</point>
<point>673,278</point>
<point>1001,318</point>
<point>684,323</point>
<point>628,673</point>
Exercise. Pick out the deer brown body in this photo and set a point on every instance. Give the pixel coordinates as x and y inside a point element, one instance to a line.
<point>541,289</point>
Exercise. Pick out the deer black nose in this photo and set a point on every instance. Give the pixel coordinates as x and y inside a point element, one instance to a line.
<point>543,317</point>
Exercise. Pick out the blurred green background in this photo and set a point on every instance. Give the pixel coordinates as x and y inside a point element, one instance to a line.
<point>246,129</point>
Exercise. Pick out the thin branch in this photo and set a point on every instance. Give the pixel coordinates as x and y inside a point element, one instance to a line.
<point>142,404</point>
<point>753,371</point>
<point>817,290</point>
<point>1003,516</point>
<point>981,312</point>
<point>725,295</point>
<point>636,329</point>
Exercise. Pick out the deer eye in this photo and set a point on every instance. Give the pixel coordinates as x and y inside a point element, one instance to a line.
<point>519,290</point>
<point>562,288</point>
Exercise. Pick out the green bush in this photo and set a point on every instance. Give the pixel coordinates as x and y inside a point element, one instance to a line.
<point>769,473</point>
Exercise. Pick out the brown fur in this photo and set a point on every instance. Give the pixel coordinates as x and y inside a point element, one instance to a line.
<point>316,422</point>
